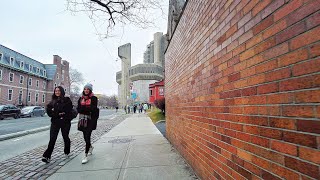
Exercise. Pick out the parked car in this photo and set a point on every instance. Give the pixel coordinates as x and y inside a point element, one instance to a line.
<point>31,111</point>
<point>9,111</point>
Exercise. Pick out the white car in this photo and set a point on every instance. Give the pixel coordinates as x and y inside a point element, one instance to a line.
<point>31,111</point>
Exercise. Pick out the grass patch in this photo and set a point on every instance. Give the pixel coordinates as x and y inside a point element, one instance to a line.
<point>156,115</point>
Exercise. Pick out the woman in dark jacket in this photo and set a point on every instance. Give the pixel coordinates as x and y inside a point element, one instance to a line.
<point>88,116</point>
<point>59,109</point>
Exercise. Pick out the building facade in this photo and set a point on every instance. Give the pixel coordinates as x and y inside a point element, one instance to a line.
<point>156,91</point>
<point>25,81</point>
<point>155,50</point>
<point>134,80</point>
<point>243,87</point>
<point>148,56</point>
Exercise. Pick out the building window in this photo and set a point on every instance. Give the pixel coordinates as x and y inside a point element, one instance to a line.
<point>20,96</point>
<point>38,70</point>
<point>43,98</point>
<point>55,84</point>
<point>30,82</point>
<point>11,76</point>
<point>37,97</point>
<point>29,96</point>
<point>21,79</point>
<point>65,89</point>
<point>1,55</point>
<point>44,73</point>
<point>11,61</point>
<point>0,74</point>
<point>22,64</point>
<point>37,83</point>
<point>57,75</point>
<point>161,91</point>
<point>30,67</point>
<point>10,92</point>
<point>151,93</point>
<point>44,84</point>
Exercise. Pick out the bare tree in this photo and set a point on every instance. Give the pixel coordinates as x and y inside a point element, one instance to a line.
<point>76,79</point>
<point>108,101</point>
<point>108,13</point>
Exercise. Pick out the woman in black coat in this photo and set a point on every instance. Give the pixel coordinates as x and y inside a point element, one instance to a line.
<point>88,116</point>
<point>59,109</point>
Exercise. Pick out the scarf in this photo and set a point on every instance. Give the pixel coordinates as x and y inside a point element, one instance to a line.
<point>86,100</point>
<point>83,119</point>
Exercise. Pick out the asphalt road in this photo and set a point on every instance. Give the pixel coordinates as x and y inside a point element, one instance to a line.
<point>11,125</point>
<point>12,147</point>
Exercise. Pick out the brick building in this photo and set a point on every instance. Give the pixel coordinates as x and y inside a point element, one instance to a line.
<point>243,88</point>
<point>25,81</point>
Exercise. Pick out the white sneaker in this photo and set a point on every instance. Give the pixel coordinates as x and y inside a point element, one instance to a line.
<point>85,160</point>
<point>90,151</point>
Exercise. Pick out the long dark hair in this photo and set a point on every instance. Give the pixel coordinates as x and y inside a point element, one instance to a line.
<point>63,93</point>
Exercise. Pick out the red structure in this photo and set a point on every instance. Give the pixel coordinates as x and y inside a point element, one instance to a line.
<point>156,91</point>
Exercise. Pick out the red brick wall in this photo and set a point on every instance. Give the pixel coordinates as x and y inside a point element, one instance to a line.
<point>243,88</point>
<point>5,85</point>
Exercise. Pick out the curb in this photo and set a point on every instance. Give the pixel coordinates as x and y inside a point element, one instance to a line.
<point>160,121</point>
<point>23,133</point>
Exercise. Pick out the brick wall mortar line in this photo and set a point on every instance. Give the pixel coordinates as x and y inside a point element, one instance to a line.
<point>244,159</point>
<point>257,115</point>
<point>267,127</point>
<point>269,149</point>
<point>281,80</point>
<point>214,157</point>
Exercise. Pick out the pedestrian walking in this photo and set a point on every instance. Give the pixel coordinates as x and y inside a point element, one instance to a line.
<point>135,108</point>
<point>59,109</point>
<point>128,109</point>
<point>88,116</point>
<point>145,107</point>
<point>125,109</point>
<point>140,108</point>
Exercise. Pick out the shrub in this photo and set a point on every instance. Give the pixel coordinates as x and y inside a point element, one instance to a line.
<point>161,104</point>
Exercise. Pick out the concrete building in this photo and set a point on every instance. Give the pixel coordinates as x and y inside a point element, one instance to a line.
<point>25,81</point>
<point>124,53</point>
<point>134,81</point>
<point>148,56</point>
<point>155,50</point>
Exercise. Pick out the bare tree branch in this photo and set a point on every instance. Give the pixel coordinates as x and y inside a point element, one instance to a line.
<point>76,77</point>
<point>109,13</point>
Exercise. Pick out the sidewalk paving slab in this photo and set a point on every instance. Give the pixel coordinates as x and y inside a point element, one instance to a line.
<point>133,150</point>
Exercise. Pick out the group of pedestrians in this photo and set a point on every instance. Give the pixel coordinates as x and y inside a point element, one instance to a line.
<point>134,108</point>
<point>61,111</point>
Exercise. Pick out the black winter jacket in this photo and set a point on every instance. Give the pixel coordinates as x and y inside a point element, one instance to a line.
<point>91,110</point>
<point>61,105</point>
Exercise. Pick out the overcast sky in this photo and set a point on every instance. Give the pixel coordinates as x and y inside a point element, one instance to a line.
<point>41,29</point>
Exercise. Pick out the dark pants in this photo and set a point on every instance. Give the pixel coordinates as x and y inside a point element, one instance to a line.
<point>54,131</point>
<point>87,138</point>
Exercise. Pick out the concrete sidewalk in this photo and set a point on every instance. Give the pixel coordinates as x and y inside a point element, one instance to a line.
<point>134,149</point>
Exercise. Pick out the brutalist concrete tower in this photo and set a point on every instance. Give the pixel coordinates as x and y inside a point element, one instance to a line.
<point>124,53</point>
